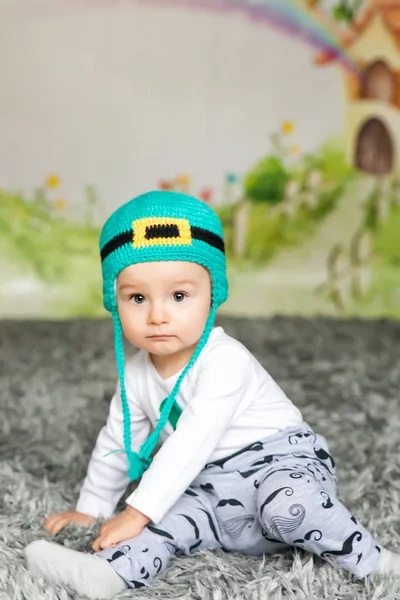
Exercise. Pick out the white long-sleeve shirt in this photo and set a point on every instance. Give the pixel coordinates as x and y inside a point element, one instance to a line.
<point>228,401</point>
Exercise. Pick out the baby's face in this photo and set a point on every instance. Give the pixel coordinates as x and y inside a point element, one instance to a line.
<point>166,298</point>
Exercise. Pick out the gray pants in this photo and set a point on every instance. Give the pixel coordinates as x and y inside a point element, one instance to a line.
<point>273,494</point>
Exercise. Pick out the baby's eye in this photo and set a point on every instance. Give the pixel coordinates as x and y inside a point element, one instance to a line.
<point>179,296</point>
<point>137,298</point>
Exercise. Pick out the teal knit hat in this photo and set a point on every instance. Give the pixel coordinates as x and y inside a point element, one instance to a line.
<point>160,226</point>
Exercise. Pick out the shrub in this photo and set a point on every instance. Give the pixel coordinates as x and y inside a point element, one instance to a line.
<point>266,182</point>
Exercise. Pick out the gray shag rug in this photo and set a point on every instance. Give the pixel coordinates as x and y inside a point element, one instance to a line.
<point>57,380</point>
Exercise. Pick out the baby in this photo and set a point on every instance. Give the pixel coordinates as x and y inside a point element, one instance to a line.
<point>236,466</point>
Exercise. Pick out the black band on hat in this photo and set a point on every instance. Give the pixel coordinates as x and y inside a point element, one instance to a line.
<point>163,231</point>
<point>198,233</point>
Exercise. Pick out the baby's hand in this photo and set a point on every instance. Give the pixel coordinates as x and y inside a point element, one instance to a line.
<point>124,526</point>
<point>56,522</point>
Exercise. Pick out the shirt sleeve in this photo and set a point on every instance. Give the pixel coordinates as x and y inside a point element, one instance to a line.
<point>107,478</point>
<point>219,392</point>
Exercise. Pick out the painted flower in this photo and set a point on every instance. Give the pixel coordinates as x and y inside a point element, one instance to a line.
<point>53,181</point>
<point>165,185</point>
<point>287,127</point>
<point>295,149</point>
<point>231,178</point>
<point>60,204</point>
<point>206,194</point>
<point>183,179</point>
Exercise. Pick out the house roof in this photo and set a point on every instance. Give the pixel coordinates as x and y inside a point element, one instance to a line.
<point>390,13</point>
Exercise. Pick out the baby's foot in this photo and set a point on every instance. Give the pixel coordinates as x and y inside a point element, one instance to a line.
<point>87,574</point>
<point>389,564</point>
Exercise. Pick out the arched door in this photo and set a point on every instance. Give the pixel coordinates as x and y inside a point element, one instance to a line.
<point>374,152</point>
<point>378,82</point>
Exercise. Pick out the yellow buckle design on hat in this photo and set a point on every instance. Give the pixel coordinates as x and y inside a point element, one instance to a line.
<point>161,231</point>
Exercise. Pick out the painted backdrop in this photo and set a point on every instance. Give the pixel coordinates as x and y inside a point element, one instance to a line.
<point>284,115</point>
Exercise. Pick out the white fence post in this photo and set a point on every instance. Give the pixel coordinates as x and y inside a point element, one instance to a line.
<point>241,215</point>
<point>361,252</point>
<point>313,182</point>
<point>339,277</point>
<point>349,272</point>
<point>290,203</point>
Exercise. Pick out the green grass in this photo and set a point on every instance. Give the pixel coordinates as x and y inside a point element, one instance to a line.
<point>332,161</point>
<point>383,298</point>
<point>269,231</point>
<point>37,242</point>
<point>387,239</point>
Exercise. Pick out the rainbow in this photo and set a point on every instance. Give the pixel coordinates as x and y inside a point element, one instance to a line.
<point>290,16</point>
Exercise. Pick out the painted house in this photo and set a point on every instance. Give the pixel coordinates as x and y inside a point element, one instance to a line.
<point>373,96</point>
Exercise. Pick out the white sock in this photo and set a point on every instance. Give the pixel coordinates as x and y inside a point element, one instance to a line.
<point>87,574</point>
<point>389,564</point>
